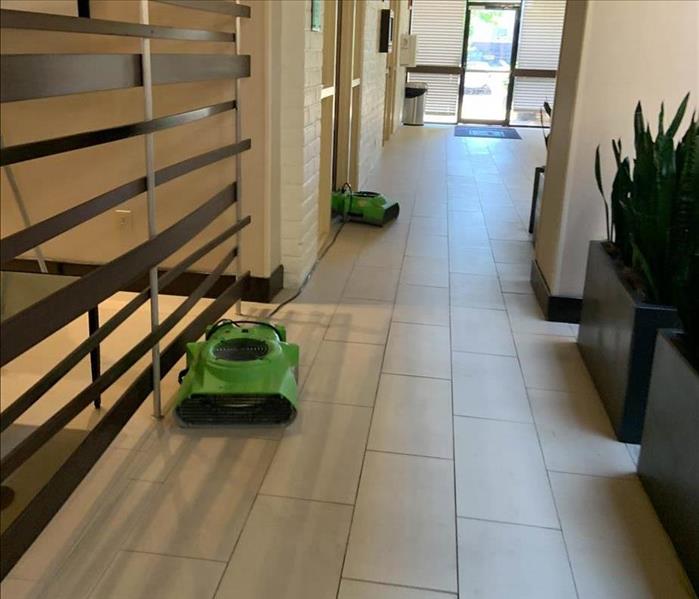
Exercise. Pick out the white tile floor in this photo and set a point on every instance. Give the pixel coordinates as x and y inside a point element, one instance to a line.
<point>450,441</point>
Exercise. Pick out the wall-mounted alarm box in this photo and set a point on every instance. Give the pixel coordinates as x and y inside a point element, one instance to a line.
<point>408,50</point>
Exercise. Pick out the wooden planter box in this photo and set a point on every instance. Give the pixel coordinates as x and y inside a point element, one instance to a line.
<point>617,340</point>
<point>669,460</point>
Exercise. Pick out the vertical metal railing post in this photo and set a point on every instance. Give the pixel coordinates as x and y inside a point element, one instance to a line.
<point>150,199</point>
<point>238,171</point>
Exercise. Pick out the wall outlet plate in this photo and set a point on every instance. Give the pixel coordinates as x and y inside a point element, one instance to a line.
<point>124,219</point>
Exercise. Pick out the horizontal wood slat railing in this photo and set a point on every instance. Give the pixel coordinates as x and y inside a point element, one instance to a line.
<point>21,19</point>
<point>37,76</point>
<point>77,141</point>
<point>17,243</point>
<point>25,329</point>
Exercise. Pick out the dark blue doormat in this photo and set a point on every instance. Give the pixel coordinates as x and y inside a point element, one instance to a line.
<point>493,132</point>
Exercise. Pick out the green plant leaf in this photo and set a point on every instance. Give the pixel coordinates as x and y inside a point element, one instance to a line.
<point>653,207</point>
<point>641,263</point>
<point>598,172</point>
<point>660,118</point>
<point>598,177</point>
<point>684,228</point>
<point>675,124</point>
<point>616,146</point>
<point>621,191</point>
<point>638,120</point>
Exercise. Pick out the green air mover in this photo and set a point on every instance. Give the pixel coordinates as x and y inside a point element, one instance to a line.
<point>364,206</point>
<point>243,373</point>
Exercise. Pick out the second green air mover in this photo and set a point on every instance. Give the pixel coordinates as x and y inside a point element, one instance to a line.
<point>368,207</point>
<point>244,372</point>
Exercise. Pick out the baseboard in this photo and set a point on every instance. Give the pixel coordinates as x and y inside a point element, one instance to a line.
<point>260,289</point>
<point>556,308</point>
<point>264,289</point>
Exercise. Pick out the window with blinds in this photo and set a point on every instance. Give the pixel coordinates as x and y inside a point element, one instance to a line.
<point>439,26</point>
<point>540,31</point>
<point>539,46</point>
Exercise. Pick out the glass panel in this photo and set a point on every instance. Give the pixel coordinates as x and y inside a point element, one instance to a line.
<point>540,34</point>
<point>488,57</point>
<point>442,97</point>
<point>485,96</point>
<point>528,99</point>
<point>490,37</point>
<point>439,25</point>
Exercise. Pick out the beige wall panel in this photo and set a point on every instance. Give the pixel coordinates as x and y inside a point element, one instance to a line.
<point>55,183</point>
<point>632,50</point>
<point>179,197</point>
<point>57,7</point>
<point>178,97</point>
<point>22,41</point>
<point>45,118</point>
<point>177,16</point>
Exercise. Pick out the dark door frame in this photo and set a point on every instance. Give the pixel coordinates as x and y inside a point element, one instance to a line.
<point>517,7</point>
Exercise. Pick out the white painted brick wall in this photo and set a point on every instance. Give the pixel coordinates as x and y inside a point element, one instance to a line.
<point>373,92</point>
<point>301,153</point>
<point>301,128</point>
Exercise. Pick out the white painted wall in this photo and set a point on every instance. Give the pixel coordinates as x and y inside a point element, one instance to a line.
<point>403,27</point>
<point>298,85</point>
<point>373,92</point>
<point>632,50</point>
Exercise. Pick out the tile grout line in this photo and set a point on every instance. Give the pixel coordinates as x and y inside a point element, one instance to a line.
<point>276,449</point>
<point>401,586</point>
<point>412,455</point>
<point>326,501</point>
<point>371,421</point>
<point>97,580</point>
<point>490,419</point>
<point>247,517</point>
<point>543,462</point>
<point>171,555</point>
<point>509,523</point>
<point>631,476</point>
<point>451,386</point>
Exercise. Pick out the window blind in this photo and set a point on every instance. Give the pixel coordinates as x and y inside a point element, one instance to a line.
<point>539,47</point>
<point>541,28</point>
<point>439,25</point>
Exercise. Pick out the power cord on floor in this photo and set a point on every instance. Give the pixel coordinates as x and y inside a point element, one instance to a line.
<point>310,272</point>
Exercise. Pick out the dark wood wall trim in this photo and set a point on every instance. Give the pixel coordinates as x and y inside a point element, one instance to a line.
<point>258,289</point>
<point>429,68</point>
<point>263,289</point>
<point>541,73</point>
<point>556,308</point>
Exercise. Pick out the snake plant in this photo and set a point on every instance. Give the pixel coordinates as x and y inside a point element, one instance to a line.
<point>653,212</point>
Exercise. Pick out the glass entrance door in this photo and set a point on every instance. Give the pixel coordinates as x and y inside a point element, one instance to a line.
<point>489,50</point>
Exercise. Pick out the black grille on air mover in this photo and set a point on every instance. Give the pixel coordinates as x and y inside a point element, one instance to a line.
<point>240,350</point>
<point>217,410</point>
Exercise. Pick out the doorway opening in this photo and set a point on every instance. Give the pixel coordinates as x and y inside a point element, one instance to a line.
<point>489,51</point>
<point>487,61</point>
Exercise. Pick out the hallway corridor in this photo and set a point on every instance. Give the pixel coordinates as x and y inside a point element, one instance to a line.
<point>449,440</point>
